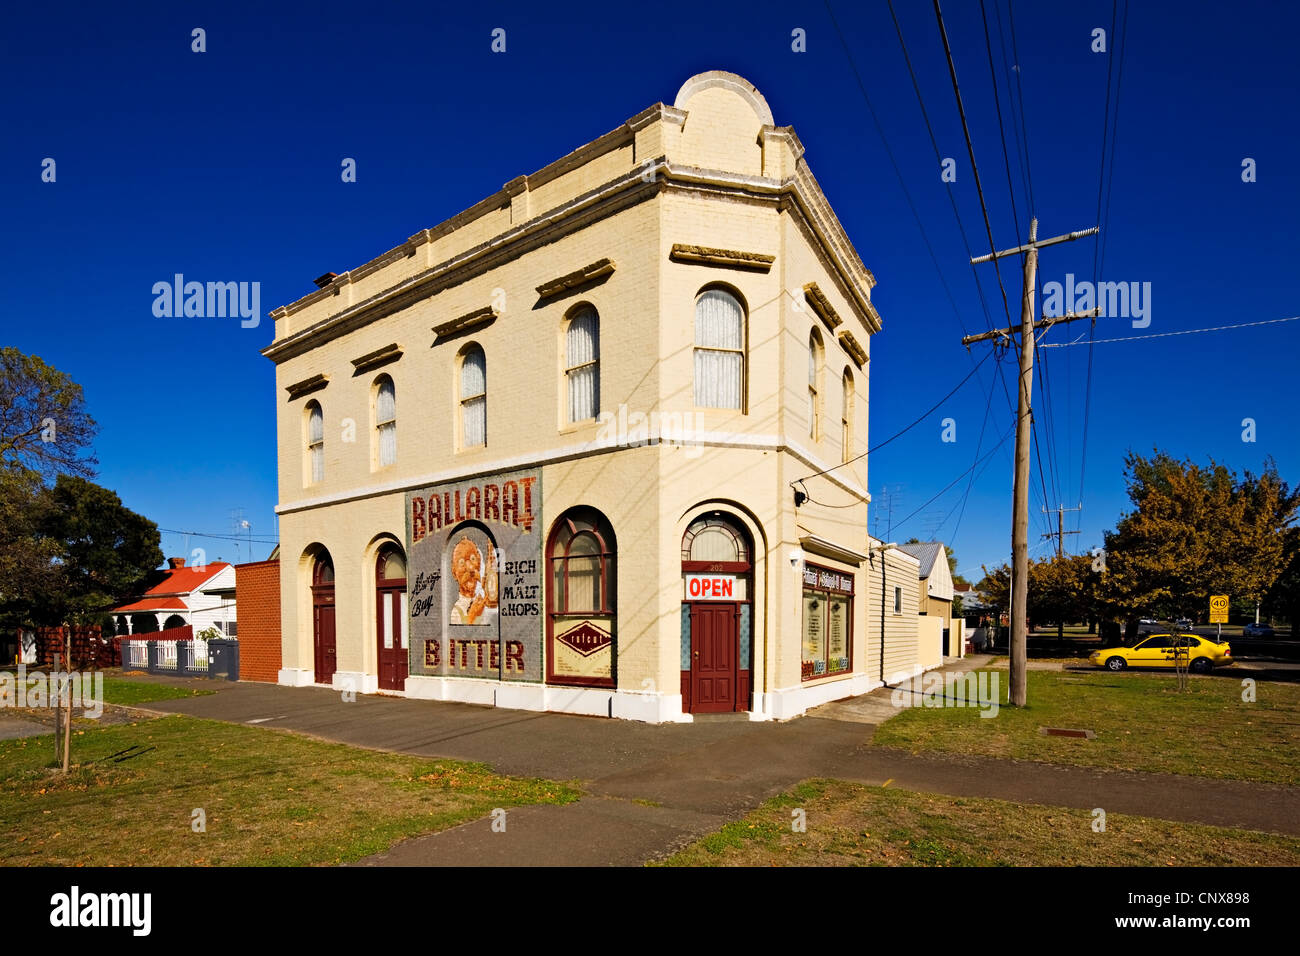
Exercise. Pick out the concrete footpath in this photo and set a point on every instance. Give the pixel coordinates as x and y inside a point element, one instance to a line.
<point>651,789</point>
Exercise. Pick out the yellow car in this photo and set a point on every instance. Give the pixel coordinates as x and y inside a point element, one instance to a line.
<point>1158,650</point>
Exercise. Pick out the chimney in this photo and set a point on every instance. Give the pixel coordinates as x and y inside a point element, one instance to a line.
<point>174,563</point>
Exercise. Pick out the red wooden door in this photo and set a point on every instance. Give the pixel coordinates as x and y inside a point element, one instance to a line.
<point>715,645</point>
<point>392,638</point>
<point>324,639</point>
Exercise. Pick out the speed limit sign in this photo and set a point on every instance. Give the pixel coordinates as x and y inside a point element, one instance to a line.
<point>1219,609</point>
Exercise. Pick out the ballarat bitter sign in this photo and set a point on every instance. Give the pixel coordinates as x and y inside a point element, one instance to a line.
<point>475,578</point>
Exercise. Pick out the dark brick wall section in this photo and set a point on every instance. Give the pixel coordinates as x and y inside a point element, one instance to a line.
<point>257,599</point>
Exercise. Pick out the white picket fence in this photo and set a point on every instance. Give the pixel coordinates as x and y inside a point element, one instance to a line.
<point>135,655</point>
<point>167,655</point>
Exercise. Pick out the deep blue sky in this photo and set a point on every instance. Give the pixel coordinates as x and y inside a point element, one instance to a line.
<point>225,166</point>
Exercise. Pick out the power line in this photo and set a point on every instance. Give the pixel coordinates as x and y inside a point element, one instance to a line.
<point>1020,87</point>
<point>961,227</point>
<point>898,173</point>
<point>889,152</point>
<point>1011,192</point>
<point>970,151</point>
<point>948,486</point>
<point>1162,335</point>
<point>899,434</point>
<point>1099,252</point>
<point>224,537</point>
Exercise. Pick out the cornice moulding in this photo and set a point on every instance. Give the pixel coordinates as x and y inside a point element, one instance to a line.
<point>728,258</point>
<point>307,386</point>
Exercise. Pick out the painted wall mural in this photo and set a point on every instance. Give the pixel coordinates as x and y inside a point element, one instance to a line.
<point>475,578</point>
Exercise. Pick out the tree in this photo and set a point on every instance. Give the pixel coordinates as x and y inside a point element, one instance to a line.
<point>1196,531</point>
<point>106,550</point>
<point>1283,597</point>
<point>44,425</point>
<point>996,588</point>
<point>28,559</point>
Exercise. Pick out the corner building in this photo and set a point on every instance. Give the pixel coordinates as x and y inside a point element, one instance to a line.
<point>543,455</point>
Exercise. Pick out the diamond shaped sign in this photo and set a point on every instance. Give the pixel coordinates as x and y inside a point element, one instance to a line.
<point>586,638</point>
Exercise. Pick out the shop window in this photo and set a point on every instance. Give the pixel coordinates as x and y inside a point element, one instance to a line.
<point>581,556</point>
<point>719,350</point>
<point>827,622</point>
<point>582,364</point>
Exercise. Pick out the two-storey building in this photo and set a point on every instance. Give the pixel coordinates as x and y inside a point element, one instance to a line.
<point>596,444</point>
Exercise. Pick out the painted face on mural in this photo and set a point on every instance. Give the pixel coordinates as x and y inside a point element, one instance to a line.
<point>478,590</point>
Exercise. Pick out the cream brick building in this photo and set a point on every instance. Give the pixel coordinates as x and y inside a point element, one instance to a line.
<point>547,454</point>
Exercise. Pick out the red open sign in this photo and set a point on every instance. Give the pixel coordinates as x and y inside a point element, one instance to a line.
<point>712,587</point>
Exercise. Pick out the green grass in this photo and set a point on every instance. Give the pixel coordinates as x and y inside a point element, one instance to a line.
<point>849,824</point>
<point>1141,720</point>
<point>128,692</point>
<point>268,797</point>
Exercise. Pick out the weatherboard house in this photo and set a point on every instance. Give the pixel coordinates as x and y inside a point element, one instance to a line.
<point>597,443</point>
<point>201,596</point>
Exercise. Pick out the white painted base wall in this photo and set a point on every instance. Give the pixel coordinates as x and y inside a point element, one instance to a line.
<point>356,682</point>
<point>592,702</point>
<point>787,702</point>
<point>781,704</point>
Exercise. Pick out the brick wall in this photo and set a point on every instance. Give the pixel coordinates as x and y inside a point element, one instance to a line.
<point>257,597</point>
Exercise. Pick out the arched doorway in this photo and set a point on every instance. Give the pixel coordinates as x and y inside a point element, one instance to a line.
<point>390,623</point>
<point>717,615</point>
<point>322,606</point>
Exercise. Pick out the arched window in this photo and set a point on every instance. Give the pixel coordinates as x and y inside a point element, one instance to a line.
<point>315,443</point>
<point>846,417</point>
<point>473,397</point>
<point>719,350</point>
<point>582,364</point>
<point>322,572</point>
<point>581,599</point>
<point>385,422</point>
<point>814,384</point>
<point>716,539</point>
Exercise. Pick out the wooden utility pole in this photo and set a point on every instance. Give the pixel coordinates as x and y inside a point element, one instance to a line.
<point>1060,532</point>
<point>1020,486</point>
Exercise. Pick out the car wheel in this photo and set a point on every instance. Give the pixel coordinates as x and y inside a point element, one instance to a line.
<point>1116,663</point>
<point>1202,665</point>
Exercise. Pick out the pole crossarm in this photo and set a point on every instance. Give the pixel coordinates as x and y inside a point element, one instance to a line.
<point>1044,323</point>
<point>1037,244</point>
